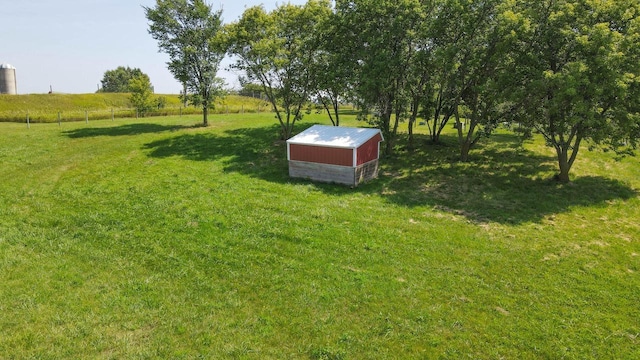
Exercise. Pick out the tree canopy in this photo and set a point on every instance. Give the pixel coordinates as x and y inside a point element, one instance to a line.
<point>577,73</point>
<point>117,80</point>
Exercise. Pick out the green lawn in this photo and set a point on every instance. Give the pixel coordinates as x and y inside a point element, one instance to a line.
<point>158,238</point>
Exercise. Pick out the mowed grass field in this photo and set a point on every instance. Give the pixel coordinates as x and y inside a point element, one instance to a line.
<point>158,238</point>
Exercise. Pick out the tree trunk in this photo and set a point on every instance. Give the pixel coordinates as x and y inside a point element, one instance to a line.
<point>386,130</point>
<point>286,127</point>
<point>331,111</point>
<point>396,124</point>
<point>465,143</point>
<point>205,116</point>
<point>464,151</point>
<point>440,121</point>
<point>564,165</point>
<point>433,132</point>
<point>410,144</point>
<point>184,94</point>
<point>468,139</point>
<point>412,121</point>
<point>567,153</point>
<point>336,109</point>
<point>389,143</point>
<point>287,131</point>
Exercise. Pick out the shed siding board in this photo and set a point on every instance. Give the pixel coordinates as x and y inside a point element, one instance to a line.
<point>369,150</point>
<point>366,172</point>
<point>334,173</point>
<point>321,154</point>
<point>322,172</point>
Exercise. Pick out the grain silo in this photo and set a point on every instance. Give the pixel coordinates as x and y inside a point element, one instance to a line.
<point>8,83</point>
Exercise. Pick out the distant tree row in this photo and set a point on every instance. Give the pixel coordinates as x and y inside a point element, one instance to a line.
<point>134,81</point>
<point>567,69</point>
<point>117,80</point>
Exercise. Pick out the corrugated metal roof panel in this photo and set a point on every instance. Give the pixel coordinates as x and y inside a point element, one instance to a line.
<point>334,136</point>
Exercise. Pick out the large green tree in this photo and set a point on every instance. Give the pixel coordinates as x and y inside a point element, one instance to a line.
<point>481,63</point>
<point>420,84</point>
<point>577,74</point>
<point>276,49</point>
<point>332,67</point>
<point>381,35</point>
<point>189,31</point>
<point>444,36</point>
<point>117,80</point>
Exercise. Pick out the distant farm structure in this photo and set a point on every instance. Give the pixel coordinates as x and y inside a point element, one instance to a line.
<point>8,84</point>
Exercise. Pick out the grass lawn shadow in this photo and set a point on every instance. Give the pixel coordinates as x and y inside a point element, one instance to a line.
<point>123,130</point>
<point>252,151</point>
<point>503,183</point>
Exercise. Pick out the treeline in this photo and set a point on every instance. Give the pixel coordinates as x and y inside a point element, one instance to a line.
<point>567,69</point>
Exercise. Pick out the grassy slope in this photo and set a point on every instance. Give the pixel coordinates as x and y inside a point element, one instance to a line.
<point>160,239</point>
<point>45,107</point>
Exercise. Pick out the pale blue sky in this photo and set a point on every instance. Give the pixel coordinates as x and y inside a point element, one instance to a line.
<point>69,44</point>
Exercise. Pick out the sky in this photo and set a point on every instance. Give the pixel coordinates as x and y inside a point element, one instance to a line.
<point>69,44</point>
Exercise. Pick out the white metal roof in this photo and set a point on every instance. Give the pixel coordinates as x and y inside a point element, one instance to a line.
<point>334,136</point>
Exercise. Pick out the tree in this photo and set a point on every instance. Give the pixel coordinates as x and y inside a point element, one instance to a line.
<point>465,54</point>
<point>381,34</point>
<point>189,31</point>
<point>275,49</point>
<point>117,81</point>
<point>250,89</point>
<point>442,38</point>
<point>482,55</point>
<point>141,94</point>
<point>332,66</point>
<point>422,69</point>
<point>577,74</point>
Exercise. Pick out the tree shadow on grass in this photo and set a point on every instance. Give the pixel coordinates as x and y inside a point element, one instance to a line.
<point>503,183</point>
<point>251,151</point>
<point>124,130</point>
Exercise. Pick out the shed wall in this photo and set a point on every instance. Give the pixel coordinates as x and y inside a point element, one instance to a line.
<point>369,150</point>
<point>321,154</point>
<point>322,172</point>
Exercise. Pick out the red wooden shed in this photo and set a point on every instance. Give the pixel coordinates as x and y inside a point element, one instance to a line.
<point>343,155</point>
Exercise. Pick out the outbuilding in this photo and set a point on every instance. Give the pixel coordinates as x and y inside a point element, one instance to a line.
<point>343,155</point>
